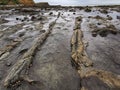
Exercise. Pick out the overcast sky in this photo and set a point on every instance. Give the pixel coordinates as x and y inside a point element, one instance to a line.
<point>80,2</point>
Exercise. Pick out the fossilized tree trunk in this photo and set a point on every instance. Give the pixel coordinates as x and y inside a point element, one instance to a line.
<point>19,71</point>
<point>84,67</point>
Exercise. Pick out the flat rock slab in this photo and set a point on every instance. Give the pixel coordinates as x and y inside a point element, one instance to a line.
<point>52,64</point>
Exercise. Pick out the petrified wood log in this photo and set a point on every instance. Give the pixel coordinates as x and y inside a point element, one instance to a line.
<point>85,68</point>
<point>77,46</point>
<point>112,80</point>
<point>20,69</point>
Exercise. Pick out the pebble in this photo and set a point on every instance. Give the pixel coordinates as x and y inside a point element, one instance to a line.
<point>40,18</point>
<point>94,34</point>
<point>17,18</point>
<point>4,55</point>
<point>98,23</point>
<point>51,13</point>
<point>42,31</point>
<point>23,51</point>
<point>118,17</point>
<point>33,18</point>
<point>74,13</point>
<point>22,20</point>
<point>8,64</point>
<point>25,18</point>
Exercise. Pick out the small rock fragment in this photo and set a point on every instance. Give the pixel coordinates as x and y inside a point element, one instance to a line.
<point>109,17</point>
<point>104,11</point>
<point>4,55</point>
<point>51,13</point>
<point>74,13</point>
<point>42,31</point>
<point>33,18</point>
<point>8,64</point>
<point>23,51</point>
<point>88,9</point>
<point>118,17</point>
<point>17,18</point>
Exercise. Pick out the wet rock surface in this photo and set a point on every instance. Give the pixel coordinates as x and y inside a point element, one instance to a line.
<point>73,49</point>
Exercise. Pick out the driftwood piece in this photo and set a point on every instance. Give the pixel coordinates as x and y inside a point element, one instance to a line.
<point>18,71</point>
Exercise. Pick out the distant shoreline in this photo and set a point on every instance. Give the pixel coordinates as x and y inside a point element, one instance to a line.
<point>58,6</point>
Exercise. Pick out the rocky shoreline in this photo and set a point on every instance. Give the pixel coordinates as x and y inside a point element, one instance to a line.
<point>60,48</point>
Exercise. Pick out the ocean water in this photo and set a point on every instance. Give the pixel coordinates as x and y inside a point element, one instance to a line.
<point>80,2</point>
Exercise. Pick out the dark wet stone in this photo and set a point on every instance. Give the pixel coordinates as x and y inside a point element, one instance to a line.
<point>40,18</point>
<point>33,18</point>
<point>42,31</point>
<point>58,14</point>
<point>109,17</point>
<point>17,18</point>
<point>42,13</point>
<point>98,17</point>
<point>118,17</point>
<point>58,27</point>
<point>21,34</point>
<point>104,11</point>
<point>3,21</point>
<point>25,18</point>
<point>113,32</point>
<point>74,13</point>
<point>23,51</point>
<point>51,13</point>
<point>103,34</point>
<point>89,16</point>
<point>94,34</point>
<point>79,18</point>
<point>8,64</point>
<point>22,20</point>
<point>65,29</point>
<point>72,10</point>
<point>98,23</point>
<point>87,10</point>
